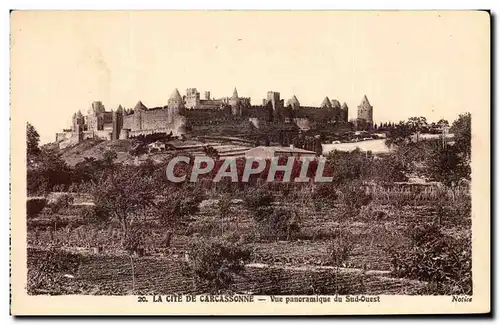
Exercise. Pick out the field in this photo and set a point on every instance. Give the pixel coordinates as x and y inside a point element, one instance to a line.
<point>299,265</point>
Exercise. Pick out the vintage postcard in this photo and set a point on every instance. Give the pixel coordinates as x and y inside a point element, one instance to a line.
<point>250,162</point>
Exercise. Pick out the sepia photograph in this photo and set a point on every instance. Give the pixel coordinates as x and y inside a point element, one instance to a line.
<point>250,162</point>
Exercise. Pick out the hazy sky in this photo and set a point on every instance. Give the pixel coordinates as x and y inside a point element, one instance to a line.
<point>433,64</point>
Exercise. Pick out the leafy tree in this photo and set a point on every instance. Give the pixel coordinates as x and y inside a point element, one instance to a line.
<point>433,256</point>
<point>347,166</point>
<point>122,194</point>
<point>48,171</point>
<point>448,166</point>
<point>399,134</point>
<point>443,123</point>
<point>417,125</point>
<point>32,140</point>
<point>179,204</point>
<point>461,128</point>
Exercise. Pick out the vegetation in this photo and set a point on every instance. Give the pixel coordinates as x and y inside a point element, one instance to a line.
<point>367,218</point>
<point>214,263</point>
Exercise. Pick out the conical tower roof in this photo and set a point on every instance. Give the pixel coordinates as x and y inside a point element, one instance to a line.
<point>140,106</point>
<point>326,103</point>
<point>79,114</point>
<point>365,101</point>
<point>335,103</point>
<point>293,101</point>
<point>235,93</point>
<point>344,106</point>
<point>120,108</point>
<point>176,95</point>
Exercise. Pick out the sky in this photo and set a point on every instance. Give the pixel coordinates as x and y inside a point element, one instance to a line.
<point>432,64</point>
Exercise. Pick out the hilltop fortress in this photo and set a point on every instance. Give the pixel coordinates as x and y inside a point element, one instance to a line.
<point>230,116</point>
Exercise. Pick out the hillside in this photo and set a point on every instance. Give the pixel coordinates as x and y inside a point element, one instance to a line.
<point>96,149</point>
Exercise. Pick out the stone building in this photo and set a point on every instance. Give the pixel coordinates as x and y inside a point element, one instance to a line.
<point>365,111</point>
<point>186,114</point>
<point>273,97</point>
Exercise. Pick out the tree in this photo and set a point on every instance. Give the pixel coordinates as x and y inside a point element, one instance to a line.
<point>49,170</point>
<point>417,125</point>
<point>448,166</point>
<point>443,123</point>
<point>122,194</point>
<point>461,128</point>
<point>32,140</point>
<point>173,211</point>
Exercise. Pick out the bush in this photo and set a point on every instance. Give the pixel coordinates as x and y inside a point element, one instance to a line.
<point>324,194</point>
<point>340,248</point>
<point>62,202</point>
<point>214,263</point>
<point>46,270</point>
<point>92,215</point>
<point>279,224</point>
<point>432,256</point>
<point>34,206</point>
<point>259,198</point>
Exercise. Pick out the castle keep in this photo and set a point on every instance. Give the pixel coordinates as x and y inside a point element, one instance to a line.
<point>191,114</point>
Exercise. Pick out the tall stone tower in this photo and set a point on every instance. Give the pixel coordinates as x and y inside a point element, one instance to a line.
<point>137,120</point>
<point>235,103</point>
<point>175,105</point>
<point>78,121</point>
<point>365,111</point>
<point>235,99</point>
<point>337,110</point>
<point>192,98</point>
<point>344,113</point>
<point>273,97</point>
<point>326,103</point>
<point>117,123</point>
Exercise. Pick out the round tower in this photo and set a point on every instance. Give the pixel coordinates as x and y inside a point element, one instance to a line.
<point>326,103</point>
<point>293,102</point>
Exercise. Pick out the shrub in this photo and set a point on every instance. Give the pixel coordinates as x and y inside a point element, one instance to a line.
<point>279,224</point>
<point>432,256</point>
<point>340,248</point>
<point>324,194</point>
<point>92,215</point>
<point>62,202</point>
<point>34,206</point>
<point>259,202</point>
<point>47,268</point>
<point>214,263</point>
